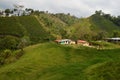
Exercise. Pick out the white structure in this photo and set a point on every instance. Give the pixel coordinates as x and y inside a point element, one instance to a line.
<point>65,41</point>
<point>113,39</point>
<point>19,10</point>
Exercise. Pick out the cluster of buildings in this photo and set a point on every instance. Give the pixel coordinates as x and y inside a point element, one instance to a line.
<point>69,41</point>
<point>83,42</point>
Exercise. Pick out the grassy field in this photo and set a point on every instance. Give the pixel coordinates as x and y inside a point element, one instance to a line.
<point>49,61</point>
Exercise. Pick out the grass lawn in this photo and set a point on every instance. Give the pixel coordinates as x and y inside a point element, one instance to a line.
<point>49,61</point>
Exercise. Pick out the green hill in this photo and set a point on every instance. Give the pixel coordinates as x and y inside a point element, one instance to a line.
<point>34,29</point>
<point>47,26</point>
<point>50,61</point>
<point>38,28</point>
<point>23,26</point>
<point>67,18</point>
<point>100,22</point>
<point>11,26</point>
<point>92,28</point>
<point>52,24</point>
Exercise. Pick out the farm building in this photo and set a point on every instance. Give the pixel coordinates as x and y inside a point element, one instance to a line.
<point>82,42</point>
<point>65,41</point>
<point>112,40</point>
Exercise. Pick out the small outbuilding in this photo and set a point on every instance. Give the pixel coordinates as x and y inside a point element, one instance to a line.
<point>65,41</point>
<point>82,42</point>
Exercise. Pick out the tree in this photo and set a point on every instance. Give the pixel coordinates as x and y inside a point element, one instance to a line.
<point>101,35</point>
<point>22,44</point>
<point>116,33</point>
<point>29,11</point>
<point>7,11</point>
<point>99,12</point>
<point>9,42</point>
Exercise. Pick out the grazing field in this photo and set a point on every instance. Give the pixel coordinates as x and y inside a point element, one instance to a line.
<point>49,61</point>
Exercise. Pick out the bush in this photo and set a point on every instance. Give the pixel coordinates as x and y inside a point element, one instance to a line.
<point>19,54</point>
<point>9,42</point>
<point>4,55</point>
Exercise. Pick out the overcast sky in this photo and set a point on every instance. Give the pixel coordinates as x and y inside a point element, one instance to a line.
<point>80,8</point>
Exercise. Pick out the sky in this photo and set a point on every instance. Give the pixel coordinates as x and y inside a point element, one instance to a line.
<point>79,8</point>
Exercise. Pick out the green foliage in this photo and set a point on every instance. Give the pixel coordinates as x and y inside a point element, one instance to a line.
<point>104,71</point>
<point>11,26</point>
<point>100,23</point>
<point>51,61</point>
<point>9,42</point>
<point>101,35</point>
<point>116,33</point>
<point>5,55</point>
<point>34,29</point>
<point>7,11</point>
<point>9,56</point>
<point>22,26</point>
<point>81,30</point>
<point>95,27</point>
<point>52,24</point>
<point>67,18</point>
<point>104,45</point>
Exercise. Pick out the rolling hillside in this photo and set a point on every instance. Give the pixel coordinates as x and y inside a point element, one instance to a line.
<point>100,22</point>
<point>49,61</point>
<point>91,28</point>
<point>11,26</point>
<point>38,28</point>
<point>23,26</point>
<point>46,26</point>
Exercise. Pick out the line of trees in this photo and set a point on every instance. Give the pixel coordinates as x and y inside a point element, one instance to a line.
<point>18,10</point>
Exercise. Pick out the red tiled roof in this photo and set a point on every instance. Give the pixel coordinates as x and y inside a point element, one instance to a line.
<point>81,41</point>
<point>57,40</point>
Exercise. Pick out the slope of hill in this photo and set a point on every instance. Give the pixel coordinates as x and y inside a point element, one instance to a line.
<point>67,18</point>
<point>34,29</point>
<point>11,26</point>
<point>53,24</point>
<point>100,22</point>
<point>50,61</point>
<point>81,30</point>
<point>93,27</point>
<point>39,28</point>
<point>23,26</point>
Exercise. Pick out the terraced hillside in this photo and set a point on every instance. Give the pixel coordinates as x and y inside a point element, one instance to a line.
<point>23,26</point>
<point>11,26</point>
<point>49,61</point>
<point>38,28</point>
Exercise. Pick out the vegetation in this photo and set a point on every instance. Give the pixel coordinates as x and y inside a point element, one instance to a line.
<point>34,30</point>
<point>9,42</point>
<point>11,26</point>
<point>50,61</point>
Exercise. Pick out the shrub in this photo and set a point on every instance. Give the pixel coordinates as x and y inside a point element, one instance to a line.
<point>9,42</point>
<point>5,55</point>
